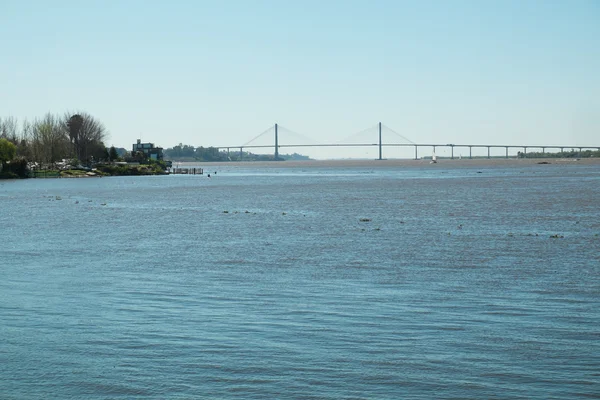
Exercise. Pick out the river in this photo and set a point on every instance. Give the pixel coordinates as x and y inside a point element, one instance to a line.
<point>357,282</point>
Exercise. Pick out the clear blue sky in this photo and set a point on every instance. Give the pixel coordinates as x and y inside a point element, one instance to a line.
<point>220,72</point>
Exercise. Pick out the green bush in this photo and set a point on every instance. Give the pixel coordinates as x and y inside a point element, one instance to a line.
<point>16,168</point>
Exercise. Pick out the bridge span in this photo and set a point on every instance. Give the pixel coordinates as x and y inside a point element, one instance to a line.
<point>276,146</point>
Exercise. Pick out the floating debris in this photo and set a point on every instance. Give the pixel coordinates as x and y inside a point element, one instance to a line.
<point>365,220</point>
<point>283,213</point>
<point>245,212</point>
<point>58,198</point>
<point>557,236</point>
<point>225,212</point>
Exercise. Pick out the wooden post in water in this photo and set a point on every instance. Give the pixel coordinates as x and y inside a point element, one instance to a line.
<point>506,151</point>
<point>488,152</point>
<point>470,152</point>
<point>416,154</point>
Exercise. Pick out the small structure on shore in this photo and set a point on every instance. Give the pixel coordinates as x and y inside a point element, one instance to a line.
<point>151,151</point>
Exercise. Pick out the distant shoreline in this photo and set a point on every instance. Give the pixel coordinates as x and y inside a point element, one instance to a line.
<point>443,163</point>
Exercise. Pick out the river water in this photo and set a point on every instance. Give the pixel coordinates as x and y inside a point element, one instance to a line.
<point>309,283</point>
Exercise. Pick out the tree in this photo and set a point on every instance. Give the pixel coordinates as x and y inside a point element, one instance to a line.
<point>24,147</point>
<point>50,143</point>
<point>55,137</point>
<point>112,154</point>
<point>7,151</point>
<point>97,152</point>
<point>86,134</point>
<point>74,124</point>
<point>8,129</point>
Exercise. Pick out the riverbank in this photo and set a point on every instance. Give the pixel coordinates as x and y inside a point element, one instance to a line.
<point>99,171</point>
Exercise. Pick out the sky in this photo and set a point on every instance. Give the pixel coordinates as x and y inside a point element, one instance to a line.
<point>218,73</point>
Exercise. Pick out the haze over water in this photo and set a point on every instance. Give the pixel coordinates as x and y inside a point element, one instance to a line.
<point>308,282</point>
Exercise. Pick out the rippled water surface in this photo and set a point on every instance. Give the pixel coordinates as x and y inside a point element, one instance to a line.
<point>324,283</point>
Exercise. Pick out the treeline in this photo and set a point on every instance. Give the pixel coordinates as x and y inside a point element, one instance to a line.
<point>561,154</point>
<point>52,138</point>
<point>184,152</point>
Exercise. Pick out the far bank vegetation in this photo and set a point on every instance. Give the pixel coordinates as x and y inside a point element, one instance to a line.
<point>573,153</point>
<point>185,152</point>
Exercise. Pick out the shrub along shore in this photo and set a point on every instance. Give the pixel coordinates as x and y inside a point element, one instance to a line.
<point>99,170</point>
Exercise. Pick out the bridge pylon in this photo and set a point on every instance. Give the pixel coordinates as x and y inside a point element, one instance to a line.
<point>276,144</point>
<point>380,143</point>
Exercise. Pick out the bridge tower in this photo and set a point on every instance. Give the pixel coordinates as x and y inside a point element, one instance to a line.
<point>276,144</point>
<point>380,142</point>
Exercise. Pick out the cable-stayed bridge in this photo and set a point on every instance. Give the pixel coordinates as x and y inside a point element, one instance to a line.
<point>373,137</point>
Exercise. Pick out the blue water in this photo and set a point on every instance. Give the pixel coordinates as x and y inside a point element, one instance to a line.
<point>308,283</point>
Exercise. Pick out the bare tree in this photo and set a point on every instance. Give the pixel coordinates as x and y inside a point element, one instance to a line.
<point>50,142</point>
<point>8,129</point>
<point>25,146</point>
<point>85,133</point>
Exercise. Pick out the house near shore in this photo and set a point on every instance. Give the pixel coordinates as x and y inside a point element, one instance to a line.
<point>152,152</point>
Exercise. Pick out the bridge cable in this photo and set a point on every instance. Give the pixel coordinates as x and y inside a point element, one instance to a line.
<point>393,131</point>
<point>252,140</point>
<point>310,140</point>
<point>357,134</point>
